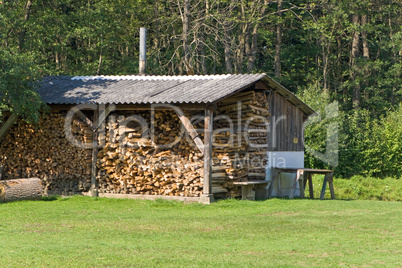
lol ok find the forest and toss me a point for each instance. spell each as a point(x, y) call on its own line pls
point(344, 53)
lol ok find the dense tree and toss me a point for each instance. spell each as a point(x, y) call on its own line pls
point(18, 76)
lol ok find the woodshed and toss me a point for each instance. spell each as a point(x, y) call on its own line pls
point(189, 138)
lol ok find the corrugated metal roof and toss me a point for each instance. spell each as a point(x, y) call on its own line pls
point(132, 89)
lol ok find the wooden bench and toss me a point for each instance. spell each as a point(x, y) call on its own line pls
point(302, 176)
point(247, 192)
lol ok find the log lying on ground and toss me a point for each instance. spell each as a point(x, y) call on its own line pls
point(20, 189)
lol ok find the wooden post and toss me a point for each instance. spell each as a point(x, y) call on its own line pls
point(310, 185)
point(10, 121)
point(299, 178)
point(292, 191)
point(183, 119)
point(324, 186)
point(275, 174)
point(94, 188)
point(193, 133)
point(301, 183)
point(247, 192)
point(207, 197)
point(279, 181)
point(331, 185)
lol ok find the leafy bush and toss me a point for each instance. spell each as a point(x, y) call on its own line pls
point(367, 145)
point(371, 147)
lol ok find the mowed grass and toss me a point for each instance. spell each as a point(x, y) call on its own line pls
point(99, 232)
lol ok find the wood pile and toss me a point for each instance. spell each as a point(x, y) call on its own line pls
point(132, 162)
point(240, 142)
point(43, 151)
point(135, 158)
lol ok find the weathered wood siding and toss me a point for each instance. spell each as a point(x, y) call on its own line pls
point(286, 125)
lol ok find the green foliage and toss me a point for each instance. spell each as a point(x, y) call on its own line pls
point(370, 146)
point(390, 142)
point(18, 76)
point(367, 145)
point(321, 130)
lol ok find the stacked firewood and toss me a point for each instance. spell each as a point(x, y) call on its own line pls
point(157, 160)
point(240, 141)
point(143, 152)
point(43, 151)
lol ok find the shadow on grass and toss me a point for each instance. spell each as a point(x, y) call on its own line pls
point(50, 198)
point(174, 203)
point(308, 198)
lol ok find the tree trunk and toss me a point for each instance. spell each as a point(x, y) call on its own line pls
point(186, 26)
point(325, 53)
point(228, 60)
point(366, 52)
point(395, 57)
point(20, 189)
point(339, 59)
point(241, 49)
point(100, 57)
point(355, 40)
point(354, 55)
point(253, 53)
point(242, 40)
point(203, 63)
point(277, 70)
point(23, 31)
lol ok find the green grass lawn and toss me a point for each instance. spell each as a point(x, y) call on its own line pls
point(99, 232)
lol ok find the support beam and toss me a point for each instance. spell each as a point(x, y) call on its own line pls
point(184, 120)
point(193, 133)
point(207, 197)
point(94, 188)
point(10, 121)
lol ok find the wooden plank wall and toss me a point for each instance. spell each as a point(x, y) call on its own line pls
point(286, 125)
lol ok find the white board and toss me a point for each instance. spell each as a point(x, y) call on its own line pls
point(284, 160)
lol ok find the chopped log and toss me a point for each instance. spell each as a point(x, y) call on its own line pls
point(20, 189)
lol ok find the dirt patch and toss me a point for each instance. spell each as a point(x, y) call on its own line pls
point(212, 229)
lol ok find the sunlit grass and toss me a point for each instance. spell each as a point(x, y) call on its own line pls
point(89, 232)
